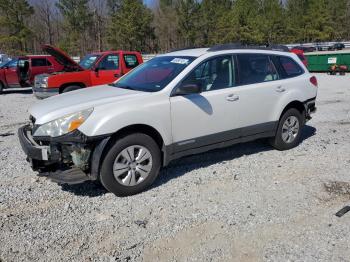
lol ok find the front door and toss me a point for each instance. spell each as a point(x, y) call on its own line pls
point(107, 70)
point(12, 73)
point(208, 117)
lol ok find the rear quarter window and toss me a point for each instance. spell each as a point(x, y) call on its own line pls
point(289, 68)
point(39, 62)
point(131, 61)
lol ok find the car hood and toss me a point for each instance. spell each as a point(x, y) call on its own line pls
point(58, 106)
point(61, 57)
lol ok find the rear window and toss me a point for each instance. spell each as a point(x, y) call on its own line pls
point(131, 61)
point(289, 67)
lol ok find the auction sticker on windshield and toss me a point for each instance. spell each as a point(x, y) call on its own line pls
point(181, 61)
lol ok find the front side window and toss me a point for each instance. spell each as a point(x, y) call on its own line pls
point(109, 62)
point(88, 61)
point(289, 67)
point(155, 74)
point(213, 74)
point(131, 61)
point(255, 68)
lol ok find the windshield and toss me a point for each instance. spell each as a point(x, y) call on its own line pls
point(11, 63)
point(155, 74)
point(88, 61)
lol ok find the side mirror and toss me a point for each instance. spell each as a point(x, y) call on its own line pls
point(96, 69)
point(187, 89)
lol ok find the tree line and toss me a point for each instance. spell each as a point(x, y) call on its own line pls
point(81, 26)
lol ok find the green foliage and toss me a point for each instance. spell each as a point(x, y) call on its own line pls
point(77, 19)
point(85, 25)
point(13, 27)
point(130, 26)
point(188, 16)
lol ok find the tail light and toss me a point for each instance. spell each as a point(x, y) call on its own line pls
point(313, 80)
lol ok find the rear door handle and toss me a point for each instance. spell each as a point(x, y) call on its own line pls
point(280, 89)
point(232, 98)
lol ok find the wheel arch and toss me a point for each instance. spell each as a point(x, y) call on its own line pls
point(63, 86)
point(297, 105)
point(102, 149)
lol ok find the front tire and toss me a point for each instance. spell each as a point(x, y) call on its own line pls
point(131, 165)
point(289, 130)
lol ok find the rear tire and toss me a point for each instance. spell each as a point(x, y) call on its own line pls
point(289, 130)
point(131, 165)
point(71, 88)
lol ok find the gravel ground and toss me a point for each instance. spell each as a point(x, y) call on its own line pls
point(244, 203)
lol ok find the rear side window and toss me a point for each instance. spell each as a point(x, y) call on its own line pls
point(289, 67)
point(255, 68)
point(39, 62)
point(131, 61)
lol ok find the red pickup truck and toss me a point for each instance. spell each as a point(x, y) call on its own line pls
point(20, 71)
point(94, 69)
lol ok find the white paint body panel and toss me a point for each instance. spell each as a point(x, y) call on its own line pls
point(180, 118)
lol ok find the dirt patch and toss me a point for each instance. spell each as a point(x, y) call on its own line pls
point(338, 188)
point(330, 102)
point(343, 123)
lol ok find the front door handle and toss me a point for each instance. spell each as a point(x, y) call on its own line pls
point(232, 98)
point(280, 89)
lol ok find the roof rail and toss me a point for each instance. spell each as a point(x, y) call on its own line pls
point(222, 47)
point(184, 48)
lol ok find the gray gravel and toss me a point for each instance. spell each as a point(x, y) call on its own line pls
point(244, 203)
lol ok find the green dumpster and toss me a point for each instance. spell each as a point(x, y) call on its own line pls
point(322, 61)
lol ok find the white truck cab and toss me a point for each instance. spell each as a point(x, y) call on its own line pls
point(177, 104)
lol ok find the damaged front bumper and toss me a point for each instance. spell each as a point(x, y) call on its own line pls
point(71, 158)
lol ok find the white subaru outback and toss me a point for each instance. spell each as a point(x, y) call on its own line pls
point(177, 104)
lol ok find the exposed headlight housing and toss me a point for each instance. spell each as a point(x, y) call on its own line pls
point(63, 125)
point(41, 81)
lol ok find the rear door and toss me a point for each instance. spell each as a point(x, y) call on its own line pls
point(107, 70)
point(258, 91)
point(39, 66)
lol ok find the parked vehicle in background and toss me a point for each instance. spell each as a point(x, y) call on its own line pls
point(300, 54)
point(94, 69)
point(4, 58)
point(20, 71)
point(177, 104)
point(306, 49)
point(336, 46)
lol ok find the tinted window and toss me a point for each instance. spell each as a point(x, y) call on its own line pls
point(109, 62)
point(155, 74)
point(39, 62)
point(131, 61)
point(289, 67)
point(213, 74)
point(255, 68)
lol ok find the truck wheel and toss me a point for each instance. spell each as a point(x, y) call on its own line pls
point(1, 87)
point(71, 88)
point(131, 165)
point(288, 130)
